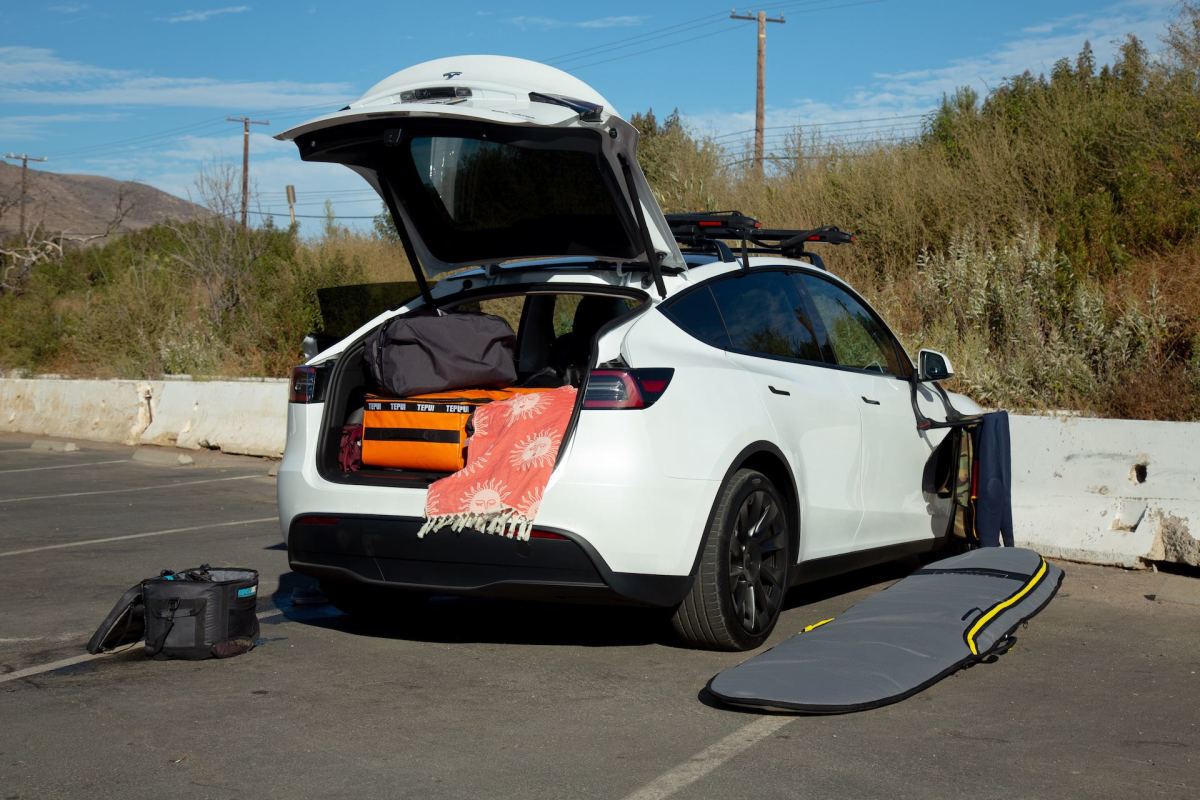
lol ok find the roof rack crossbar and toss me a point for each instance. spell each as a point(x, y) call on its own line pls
point(702, 229)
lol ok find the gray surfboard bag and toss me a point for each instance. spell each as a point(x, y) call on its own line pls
point(948, 615)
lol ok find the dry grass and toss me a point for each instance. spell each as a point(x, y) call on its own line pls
point(1048, 239)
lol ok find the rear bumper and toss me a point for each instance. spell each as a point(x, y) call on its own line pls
point(385, 551)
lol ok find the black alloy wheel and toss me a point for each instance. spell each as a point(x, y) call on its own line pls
point(741, 576)
point(758, 561)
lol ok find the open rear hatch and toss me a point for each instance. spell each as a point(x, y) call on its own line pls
point(486, 159)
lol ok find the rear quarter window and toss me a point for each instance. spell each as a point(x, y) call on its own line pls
point(696, 312)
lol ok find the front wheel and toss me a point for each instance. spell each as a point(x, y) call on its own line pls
point(742, 577)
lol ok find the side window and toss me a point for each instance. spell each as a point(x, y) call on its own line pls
point(508, 308)
point(855, 335)
point(765, 314)
point(696, 312)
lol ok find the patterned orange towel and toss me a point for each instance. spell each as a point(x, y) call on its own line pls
point(509, 460)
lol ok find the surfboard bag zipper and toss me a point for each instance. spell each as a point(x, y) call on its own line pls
point(951, 614)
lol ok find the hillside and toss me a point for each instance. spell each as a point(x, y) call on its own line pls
point(1046, 236)
point(86, 204)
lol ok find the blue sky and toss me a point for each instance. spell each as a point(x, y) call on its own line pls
point(141, 90)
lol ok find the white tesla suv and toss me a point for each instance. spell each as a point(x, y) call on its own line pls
point(745, 421)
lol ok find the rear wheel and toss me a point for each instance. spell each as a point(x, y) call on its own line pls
point(742, 577)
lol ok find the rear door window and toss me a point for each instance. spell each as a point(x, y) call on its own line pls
point(856, 336)
point(498, 193)
point(765, 314)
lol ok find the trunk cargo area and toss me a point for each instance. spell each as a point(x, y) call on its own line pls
point(415, 440)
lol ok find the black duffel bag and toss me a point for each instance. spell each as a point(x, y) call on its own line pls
point(440, 353)
point(205, 612)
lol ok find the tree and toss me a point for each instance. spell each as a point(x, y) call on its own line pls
point(384, 228)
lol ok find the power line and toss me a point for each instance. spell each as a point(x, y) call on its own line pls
point(166, 133)
point(804, 10)
point(824, 124)
point(667, 31)
point(652, 49)
point(138, 140)
point(865, 134)
point(854, 152)
point(633, 41)
point(841, 147)
point(311, 216)
point(329, 192)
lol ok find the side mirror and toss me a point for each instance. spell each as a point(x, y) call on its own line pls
point(933, 366)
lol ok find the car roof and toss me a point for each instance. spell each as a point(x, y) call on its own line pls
point(701, 267)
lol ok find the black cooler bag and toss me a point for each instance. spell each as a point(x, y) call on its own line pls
point(428, 353)
point(198, 613)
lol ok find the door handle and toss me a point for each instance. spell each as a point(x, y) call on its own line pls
point(869, 401)
point(778, 391)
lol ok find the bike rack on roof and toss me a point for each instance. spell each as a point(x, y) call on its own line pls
point(705, 231)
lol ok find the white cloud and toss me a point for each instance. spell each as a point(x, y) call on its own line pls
point(39, 76)
point(26, 66)
point(205, 15)
point(68, 8)
point(1036, 53)
point(33, 126)
point(551, 23)
point(903, 93)
point(611, 22)
point(189, 93)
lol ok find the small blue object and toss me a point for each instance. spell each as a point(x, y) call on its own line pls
point(248, 591)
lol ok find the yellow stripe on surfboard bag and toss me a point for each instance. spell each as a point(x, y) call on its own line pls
point(991, 613)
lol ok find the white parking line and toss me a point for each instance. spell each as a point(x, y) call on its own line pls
point(709, 759)
point(4, 502)
point(73, 660)
point(65, 466)
point(164, 532)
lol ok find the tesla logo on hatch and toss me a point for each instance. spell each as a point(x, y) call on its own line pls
point(449, 75)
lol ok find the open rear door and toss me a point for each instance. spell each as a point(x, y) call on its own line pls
point(485, 159)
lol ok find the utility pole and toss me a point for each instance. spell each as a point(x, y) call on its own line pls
point(759, 100)
point(24, 158)
point(291, 198)
point(246, 123)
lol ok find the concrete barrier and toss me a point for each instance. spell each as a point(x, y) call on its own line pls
point(247, 417)
point(1105, 491)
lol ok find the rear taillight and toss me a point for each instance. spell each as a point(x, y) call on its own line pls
point(316, 520)
point(306, 385)
point(537, 533)
point(625, 388)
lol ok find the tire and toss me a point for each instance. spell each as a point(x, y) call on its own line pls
point(742, 577)
point(369, 602)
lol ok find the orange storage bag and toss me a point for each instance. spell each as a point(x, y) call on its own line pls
point(425, 432)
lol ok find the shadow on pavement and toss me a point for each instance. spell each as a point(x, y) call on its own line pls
point(826, 588)
point(449, 619)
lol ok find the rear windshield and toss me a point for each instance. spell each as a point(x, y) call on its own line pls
point(491, 194)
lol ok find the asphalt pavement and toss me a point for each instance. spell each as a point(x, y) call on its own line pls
point(473, 698)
